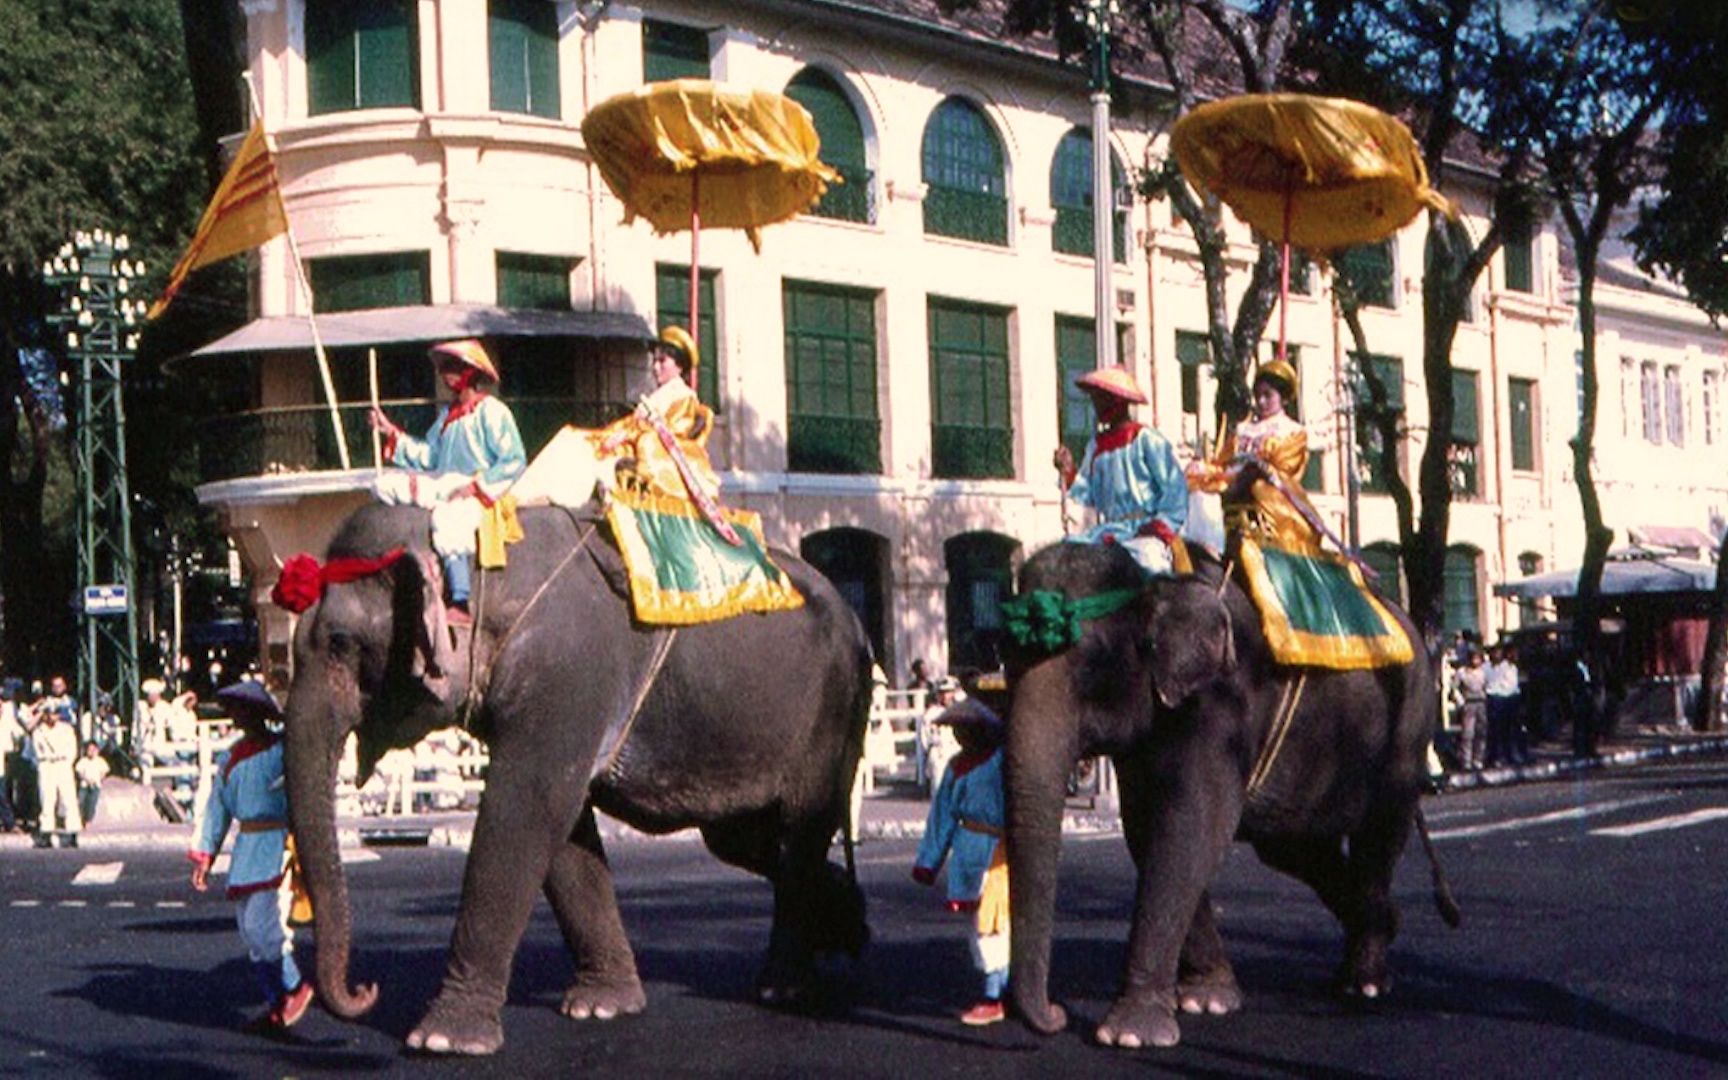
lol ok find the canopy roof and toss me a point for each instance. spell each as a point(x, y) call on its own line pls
point(424, 323)
point(1628, 571)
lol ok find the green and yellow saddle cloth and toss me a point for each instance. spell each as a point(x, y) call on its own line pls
point(1316, 609)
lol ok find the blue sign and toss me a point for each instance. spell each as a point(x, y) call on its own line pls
point(106, 600)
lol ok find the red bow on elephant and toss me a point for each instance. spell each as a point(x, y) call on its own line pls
point(302, 582)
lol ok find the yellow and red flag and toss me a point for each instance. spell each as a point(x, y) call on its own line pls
point(245, 212)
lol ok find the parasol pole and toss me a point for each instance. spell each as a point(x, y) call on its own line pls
point(1284, 272)
point(695, 255)
point(372, 384)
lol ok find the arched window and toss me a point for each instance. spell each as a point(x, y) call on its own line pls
point(980, 576)
point(967, 194)
point(856, 561)
point(842, 145)
point(1383, 558)
point(1071, 196)
point(1461, 590)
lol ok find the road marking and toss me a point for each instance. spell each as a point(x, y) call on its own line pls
point(122, 903)
point(26, 903)
point(101, 873)
point(1571, 814)
point(74, 903)
point(1675, 821)
point(170, 903)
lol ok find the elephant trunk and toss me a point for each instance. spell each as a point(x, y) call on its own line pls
point(313, 748)
point(1039, 755)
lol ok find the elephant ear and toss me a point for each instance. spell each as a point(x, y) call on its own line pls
point(1190, 637)
point(421, 647)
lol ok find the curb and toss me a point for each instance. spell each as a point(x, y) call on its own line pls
point(1557, 770)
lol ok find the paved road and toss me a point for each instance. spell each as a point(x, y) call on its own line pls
point(1594, 945)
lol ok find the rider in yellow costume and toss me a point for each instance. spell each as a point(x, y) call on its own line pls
point(1315, 606)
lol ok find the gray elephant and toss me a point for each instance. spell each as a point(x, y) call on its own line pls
point(1178, 686)
point(750, 729)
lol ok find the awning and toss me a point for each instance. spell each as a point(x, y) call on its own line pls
point(406, 325)
point(1620, 577)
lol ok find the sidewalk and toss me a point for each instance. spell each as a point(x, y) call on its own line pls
point(896, 811)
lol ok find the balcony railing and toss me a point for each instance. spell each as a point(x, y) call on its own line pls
point(834, 444)
point(972, 453)
point(300, 438)
point(969, 215)
point(850, 200)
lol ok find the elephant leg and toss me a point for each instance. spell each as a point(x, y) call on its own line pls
point(1374, 854)
point(579, 888)
point(526, 815)
point(1346, 885)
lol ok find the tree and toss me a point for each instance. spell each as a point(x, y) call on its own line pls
point(95, 131)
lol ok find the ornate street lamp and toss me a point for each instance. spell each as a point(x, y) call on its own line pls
point(101, 322)
point(1100, 15)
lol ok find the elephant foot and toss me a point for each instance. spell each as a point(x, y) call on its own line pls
point(1209, 997)
point(453, 1029)
point(1048, 1020)
point(593, 997)
point(1365, 989)
point(1133, 1024)
point(1365, 976)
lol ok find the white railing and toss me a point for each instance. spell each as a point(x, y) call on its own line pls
point(893, 738)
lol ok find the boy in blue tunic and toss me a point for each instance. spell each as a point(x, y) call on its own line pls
point(964, 829)
point(248, 787)
point(468, 459)
point(1129, 475)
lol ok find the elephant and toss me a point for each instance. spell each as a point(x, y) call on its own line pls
point(750, 729)
point(1180, 689)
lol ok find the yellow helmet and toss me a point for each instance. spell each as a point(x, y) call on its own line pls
point(1281, 374)
point(680, 340)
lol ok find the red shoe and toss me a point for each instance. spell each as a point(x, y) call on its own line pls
point(294, 1005)
point(984, 1013)
point(458, 616)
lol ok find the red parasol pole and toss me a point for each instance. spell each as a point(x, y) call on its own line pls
point(695, 253)
point(1284, 273)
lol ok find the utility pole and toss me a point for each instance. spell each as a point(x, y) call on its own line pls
point(100, 320)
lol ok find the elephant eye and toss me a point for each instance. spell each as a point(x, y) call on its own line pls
point(341, 645)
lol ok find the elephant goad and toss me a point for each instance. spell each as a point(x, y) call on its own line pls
point(1175, 682)
point(750, 729)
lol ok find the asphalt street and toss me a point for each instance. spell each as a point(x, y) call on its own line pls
point(1593, 945)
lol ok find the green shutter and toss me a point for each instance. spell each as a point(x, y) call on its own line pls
point(360, 54)
point(1076, 354)
point(363, 282)
point(1466, 408)
point(1193, 353)
point(1517, 254)
point(671, 51)
point(965, 193)
point(1071, 197)
point(1523, 401)
point(541, 282)
point(1369, 270)
point(524, 53)
point(832, 413)
point(972, 431)
point(1459, 610)
point(672, 293)
point(842, 139)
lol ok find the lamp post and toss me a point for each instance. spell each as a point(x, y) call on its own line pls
point(101, 322)
point(1100, 14)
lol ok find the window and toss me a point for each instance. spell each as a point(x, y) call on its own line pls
point(541, 282)
point(980, 577)
point(1521, 394)
point(1650, 395)
point(1460, 610)
point(1371, 273)
point(967, 194)
point(1529, 565)
point(842, 145)
point(1194, 354)
point(1071, 195)
point(361, 282)
point(1463, 452)
point(671, 51)
point(1519, 255)
point(1712, 405)
point(972, 433)
point(1674, 405)
point(1383, 559)
point(855, 561)
point(832, 421)
point(524, 48)
point(1628, 393)
point(672, 303)
point(1076, 354)
point(360, 54)
point(1389, 371)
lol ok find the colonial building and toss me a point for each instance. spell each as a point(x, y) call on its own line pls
point(894, 370)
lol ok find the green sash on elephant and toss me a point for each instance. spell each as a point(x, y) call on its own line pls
point(682, 572)
point(1050, 622)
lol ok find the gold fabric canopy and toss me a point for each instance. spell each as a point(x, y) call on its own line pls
point(738, 158)
point(1318, 173)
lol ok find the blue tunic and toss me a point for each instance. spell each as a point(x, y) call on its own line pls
point(1130, 477)
point(965, 795)
point(252, 789)
point(483, 442)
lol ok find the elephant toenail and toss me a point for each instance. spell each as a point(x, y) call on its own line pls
point(604, 1012)
point(1132, 1042)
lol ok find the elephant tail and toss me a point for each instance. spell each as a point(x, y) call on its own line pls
point(1443, 898)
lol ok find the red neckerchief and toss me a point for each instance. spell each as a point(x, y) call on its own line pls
point(1117, 437)
point(967, 760)
point(463, 408)
point(245, 748)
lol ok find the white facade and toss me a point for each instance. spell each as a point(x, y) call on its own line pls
point(456, 179)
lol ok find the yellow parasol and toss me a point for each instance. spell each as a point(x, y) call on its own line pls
point(689, 153)
point(1317, 173)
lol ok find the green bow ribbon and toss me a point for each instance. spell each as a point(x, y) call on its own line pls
point(1050, 622)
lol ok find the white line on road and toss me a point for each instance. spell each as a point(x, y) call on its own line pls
point(1572, 814)
point(101, 873)
point(1675, 821)
point(26, 903)
point(122, 903)
point(74, 903)
point(170, 903)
